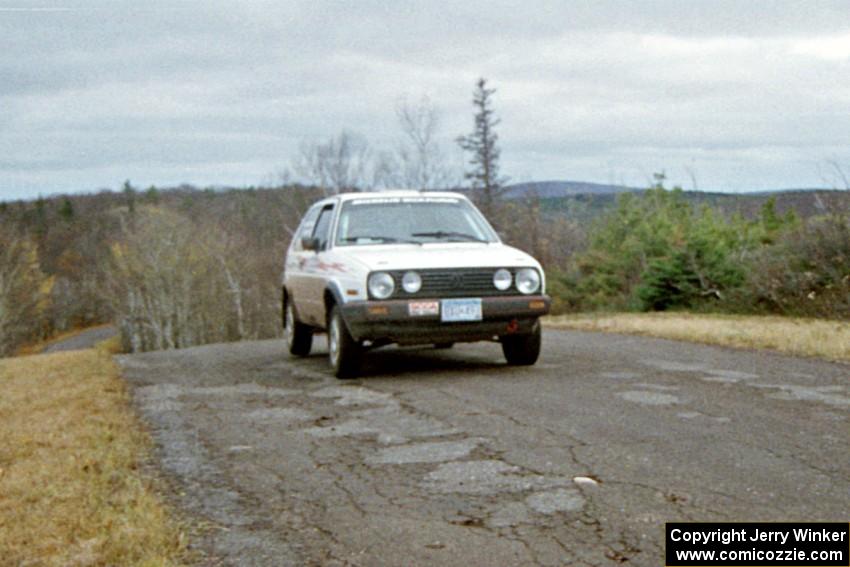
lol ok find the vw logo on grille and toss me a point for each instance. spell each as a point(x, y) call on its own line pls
point(456, 280)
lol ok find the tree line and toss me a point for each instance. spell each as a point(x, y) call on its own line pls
point(171, 268)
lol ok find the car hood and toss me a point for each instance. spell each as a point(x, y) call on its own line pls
point(439, 255)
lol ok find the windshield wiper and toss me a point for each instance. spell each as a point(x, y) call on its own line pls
point(381, 239)
point(449, 234)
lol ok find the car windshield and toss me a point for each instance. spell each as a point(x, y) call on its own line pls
point(414, 220)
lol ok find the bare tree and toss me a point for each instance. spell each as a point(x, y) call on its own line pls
point(299, 198)
point(421, 164)
point(836, 178)
point(385, 171)
point(24, 291)
point(840, 179)
point(481, 144)
point(339, 165)
point(162, 284)
point(693, 176)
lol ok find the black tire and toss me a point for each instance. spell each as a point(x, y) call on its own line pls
point(523, 350)
point(443, 346)
point(344, 353)
point(298, 336)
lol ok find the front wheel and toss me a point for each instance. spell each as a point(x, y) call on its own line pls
point(523, 350)
point(298, 337)
point(344, 353)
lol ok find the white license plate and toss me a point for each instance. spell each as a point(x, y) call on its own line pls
point(423, 308)
point(461, 310)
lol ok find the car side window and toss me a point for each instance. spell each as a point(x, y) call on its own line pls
point(323, 226)
point(307, 226)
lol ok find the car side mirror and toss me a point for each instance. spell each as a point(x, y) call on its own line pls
point(310, 243)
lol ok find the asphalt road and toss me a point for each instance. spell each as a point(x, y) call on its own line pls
point(453, 458)
point(83, 339)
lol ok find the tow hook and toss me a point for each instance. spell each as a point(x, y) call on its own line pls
point(513, 326)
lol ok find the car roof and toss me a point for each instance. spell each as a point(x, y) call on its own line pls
point(397, 193)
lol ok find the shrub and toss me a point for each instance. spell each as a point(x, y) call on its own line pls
point(656, 252)
point(807, 272)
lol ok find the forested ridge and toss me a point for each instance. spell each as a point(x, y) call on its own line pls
point(184, 266)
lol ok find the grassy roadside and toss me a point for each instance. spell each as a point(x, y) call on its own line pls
point(70, 489)
point(805, 337)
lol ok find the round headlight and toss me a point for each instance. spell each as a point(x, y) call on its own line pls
point(502, 279)
point(527, 280)
point(381, 285)
point(411, 282)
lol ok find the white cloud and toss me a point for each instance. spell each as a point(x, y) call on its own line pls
point(665, 46)
point(599, 91)
point(833, 48)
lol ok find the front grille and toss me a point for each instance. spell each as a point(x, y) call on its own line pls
point(458, 282)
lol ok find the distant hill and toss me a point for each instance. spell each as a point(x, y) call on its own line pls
point(554, 189)
point(579, 201)
point(805, 202)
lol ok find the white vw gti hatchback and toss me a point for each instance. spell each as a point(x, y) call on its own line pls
point(405, 267)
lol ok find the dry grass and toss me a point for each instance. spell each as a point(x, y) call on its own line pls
point(70, 491)
point(110, 346)
point(806, 337)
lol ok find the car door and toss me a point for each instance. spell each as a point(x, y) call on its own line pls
point(316, 274)
point(296, 260)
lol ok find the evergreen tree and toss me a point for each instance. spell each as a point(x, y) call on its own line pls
point(41, 224)
point(152, 195)
point(66, 211)
point(482, 145)
point(130, 195)
point(655, 252)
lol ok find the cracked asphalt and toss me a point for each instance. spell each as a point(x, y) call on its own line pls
point(442, 457)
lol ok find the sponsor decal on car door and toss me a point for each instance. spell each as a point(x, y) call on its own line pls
point(297, 259)
point(316, 271)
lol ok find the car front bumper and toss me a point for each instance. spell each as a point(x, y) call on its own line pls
point(391, 321)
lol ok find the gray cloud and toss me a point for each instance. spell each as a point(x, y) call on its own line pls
point(743, 95)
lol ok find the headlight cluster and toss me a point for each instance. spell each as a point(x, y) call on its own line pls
point(527, 280)
point(411, 282)
point(502, 279)
point(381, 285)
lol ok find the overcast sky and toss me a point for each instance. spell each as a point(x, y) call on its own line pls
point(731, 96)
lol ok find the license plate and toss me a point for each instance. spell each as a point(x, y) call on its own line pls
point(461, 310)
point(422, 308)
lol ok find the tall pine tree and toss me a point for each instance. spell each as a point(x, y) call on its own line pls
point(486, 184)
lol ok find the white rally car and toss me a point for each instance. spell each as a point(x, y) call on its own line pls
point(406, 267)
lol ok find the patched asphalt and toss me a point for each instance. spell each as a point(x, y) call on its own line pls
point(440, 457)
